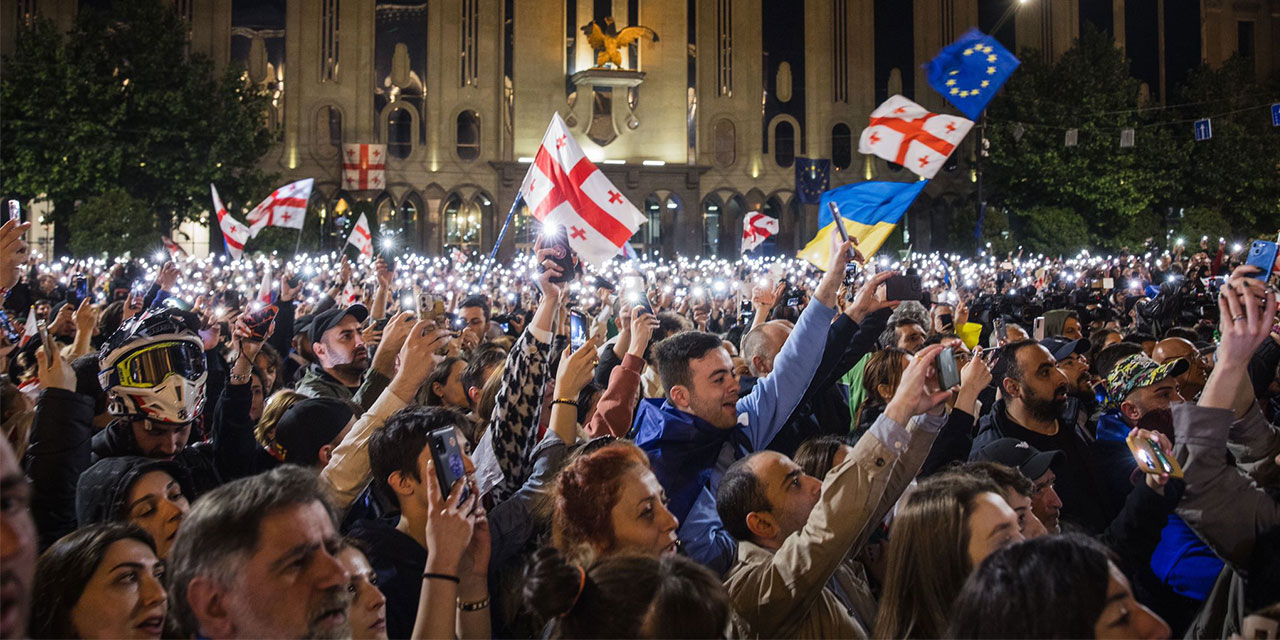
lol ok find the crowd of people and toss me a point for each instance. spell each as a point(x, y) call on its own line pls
point(412, 447)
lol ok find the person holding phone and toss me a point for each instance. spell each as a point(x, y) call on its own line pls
point(681, 432)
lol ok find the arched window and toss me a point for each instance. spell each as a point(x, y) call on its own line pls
point(725, 145)
point(328, 135)
point(399, 133)
point(711, 210)
point(841, 146)
point(409, 213)
point(468, 135)
point(784, 144)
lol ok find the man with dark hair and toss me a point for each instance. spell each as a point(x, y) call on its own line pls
point(1017, 490)
point(1109, 357)
point(1034, 398)
point(474, 314)
point(482, 363)
point(343, 368)
point(904, 333)
point(1033, 466)
point(399, 457)
point(257, 558)
point(797, 535)
point(703, 425)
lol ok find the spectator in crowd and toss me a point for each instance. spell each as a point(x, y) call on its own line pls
point(18, 544)
point(342, 359)
point(155, 495)
point(257, 557)
point(1034, 465)
point(943, 531)
point(368, 605)
point(627, 596)
point(1051, 587)
point(1191, 382)
point(1031, 409)
point(102, 581)
point(795, 532)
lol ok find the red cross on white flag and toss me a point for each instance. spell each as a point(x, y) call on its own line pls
point(361, 237)
point(364, 166)
point(285, 207)
point(563, 187)
point(904, 132)
point(234, 233)
point(756, 228)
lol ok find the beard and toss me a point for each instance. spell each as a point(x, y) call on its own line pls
point(1045, 408)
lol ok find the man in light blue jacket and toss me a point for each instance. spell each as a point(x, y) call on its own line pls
point(702, 426)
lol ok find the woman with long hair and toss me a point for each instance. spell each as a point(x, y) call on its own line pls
point(943, 530)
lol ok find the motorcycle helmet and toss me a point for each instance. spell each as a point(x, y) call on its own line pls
point(153, 367)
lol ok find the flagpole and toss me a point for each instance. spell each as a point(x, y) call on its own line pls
point(298, 245)
point(501, 234)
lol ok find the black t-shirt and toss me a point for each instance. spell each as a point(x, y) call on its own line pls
point(398, 560)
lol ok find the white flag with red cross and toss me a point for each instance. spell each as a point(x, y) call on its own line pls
point(175, 250)
point(361, 237)
point(564, 188)
point(756, 228)
point(904, 132)
point(234, 233)
point(285, 207)
point(364, 166)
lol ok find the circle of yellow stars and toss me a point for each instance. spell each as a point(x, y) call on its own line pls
point(980, 49)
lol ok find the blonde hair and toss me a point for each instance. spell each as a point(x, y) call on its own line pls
point(272, 410)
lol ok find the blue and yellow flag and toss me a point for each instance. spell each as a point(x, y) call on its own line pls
point(870, 210)
point(970, 71)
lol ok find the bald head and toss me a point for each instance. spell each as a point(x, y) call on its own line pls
point(762, 344)
point(1192, 382)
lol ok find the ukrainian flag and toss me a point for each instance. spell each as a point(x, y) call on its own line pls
point(870, 211)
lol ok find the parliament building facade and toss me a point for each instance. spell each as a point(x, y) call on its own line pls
point(703, 126)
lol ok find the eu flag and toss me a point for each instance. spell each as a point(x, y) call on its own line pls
point(813, 176)
point(970, 71)
point(871, 211)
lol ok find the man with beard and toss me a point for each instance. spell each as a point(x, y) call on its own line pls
point(1140, 394)
point(258, 558)
point(1034, 398)
point(342, 359)
point(1073, 362)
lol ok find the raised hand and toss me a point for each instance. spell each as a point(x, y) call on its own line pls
point(86, 318)
point(917, 393)
point(871, 298)
point(13, 252)
point(288, 293)
point(550, 290)
point(168, 276)
point(576, 370)
point(451, 520)
point(417, 357)
point(392, 339)
point(57, 374)
point(642, 327)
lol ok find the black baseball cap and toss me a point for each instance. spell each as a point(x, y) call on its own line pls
point(328, 319)
point(1016, 453)
point(1062, 348)
point(308, 425)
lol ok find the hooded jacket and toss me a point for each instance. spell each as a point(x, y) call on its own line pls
point(689, 455)
point(103, 490)
point(117, 440)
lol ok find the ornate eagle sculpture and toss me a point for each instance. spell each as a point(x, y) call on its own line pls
point(609, 40)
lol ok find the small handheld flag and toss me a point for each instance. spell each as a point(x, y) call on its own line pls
point(756, 228)
point(969, 71)
point(361, 236)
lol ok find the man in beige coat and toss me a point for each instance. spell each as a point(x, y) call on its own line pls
point(796, 535)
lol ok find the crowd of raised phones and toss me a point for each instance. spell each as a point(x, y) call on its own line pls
point(412, 447)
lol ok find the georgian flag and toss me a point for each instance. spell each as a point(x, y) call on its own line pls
point(31, 328)
point(364, 166)
point(174, 249)
point(563, 187)
point(756, 228)
point(234, 234)
point(903, 132)
point(285, 207)
point(361, 237)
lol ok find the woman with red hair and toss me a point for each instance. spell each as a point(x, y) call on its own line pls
point(607, 502)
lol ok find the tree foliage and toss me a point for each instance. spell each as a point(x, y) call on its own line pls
point(113, 223)
point(1033, 173)
point(120, 103)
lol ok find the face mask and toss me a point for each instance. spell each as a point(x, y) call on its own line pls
point(1160, 420)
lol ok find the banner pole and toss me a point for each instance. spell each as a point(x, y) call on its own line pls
point(501, 235)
